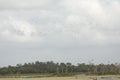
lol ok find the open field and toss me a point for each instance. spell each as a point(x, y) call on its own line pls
point(50, 78)
point(47, 78)
point(77, 77)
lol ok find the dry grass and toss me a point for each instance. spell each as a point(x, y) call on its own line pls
point(49, 78)
point(77, 77)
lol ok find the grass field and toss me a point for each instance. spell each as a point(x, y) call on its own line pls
point(47, 78)
point(50, 78)
point(77, 77)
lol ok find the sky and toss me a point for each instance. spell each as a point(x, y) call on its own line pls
point(77, 31)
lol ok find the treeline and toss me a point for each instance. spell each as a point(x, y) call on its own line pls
point(61, 68)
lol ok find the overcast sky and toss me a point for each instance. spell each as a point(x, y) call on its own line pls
point(74, 31)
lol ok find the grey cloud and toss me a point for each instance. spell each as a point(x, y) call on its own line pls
point(27, 4)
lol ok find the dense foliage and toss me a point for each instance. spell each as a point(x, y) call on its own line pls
point(61, 68)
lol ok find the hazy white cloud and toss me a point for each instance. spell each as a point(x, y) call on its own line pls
point(93, 20)
point(18, 30)
point(87, 21)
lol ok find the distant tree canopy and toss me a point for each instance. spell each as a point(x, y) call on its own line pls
point(61, 68)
